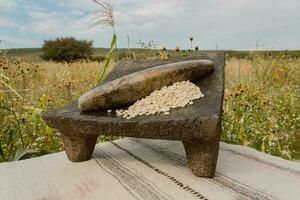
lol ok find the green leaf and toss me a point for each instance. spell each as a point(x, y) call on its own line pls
point(23, 154)
point(10, 137)
point(113, 43)
point(108, 56)
point(1, 150)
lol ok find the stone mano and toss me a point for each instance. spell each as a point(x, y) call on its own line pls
point(198, 126)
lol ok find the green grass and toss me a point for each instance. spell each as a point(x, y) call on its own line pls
point(34, 53)
point(261, 107)
point(250, 54)
point(262, 104)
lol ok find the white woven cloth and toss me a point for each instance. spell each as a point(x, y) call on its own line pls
point(149, 169)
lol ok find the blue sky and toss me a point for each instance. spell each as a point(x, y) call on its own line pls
point(222, 24)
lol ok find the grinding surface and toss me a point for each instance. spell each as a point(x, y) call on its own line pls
point(135, 86)
point(201, 120)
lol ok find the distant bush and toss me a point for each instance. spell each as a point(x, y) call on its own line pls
point(254, 54)
point(97, 58)
point(126, 55)
point(66, 49)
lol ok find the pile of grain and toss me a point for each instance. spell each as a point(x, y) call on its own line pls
point(179, 94)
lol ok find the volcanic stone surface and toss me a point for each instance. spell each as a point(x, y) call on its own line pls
point(135, 86)
point(198, 126)
point(202, 120)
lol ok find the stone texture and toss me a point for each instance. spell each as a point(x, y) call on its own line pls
point(79, 147)
point(198, 125)
point(135, 86)
point(202, 156)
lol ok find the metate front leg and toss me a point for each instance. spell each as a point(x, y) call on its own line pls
point(79, 147)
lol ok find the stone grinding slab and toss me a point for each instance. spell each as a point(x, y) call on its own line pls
point(196, 121)
point(130, 88)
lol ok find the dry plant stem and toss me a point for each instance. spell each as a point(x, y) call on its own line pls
point(107, 16)
point(107, 19)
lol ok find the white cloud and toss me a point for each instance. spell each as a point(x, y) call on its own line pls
point(56, 24)
point(7, 23)
point(17, 42)
point(229, 24)
point(7, 4)
point(39, 15)
point(85, 5)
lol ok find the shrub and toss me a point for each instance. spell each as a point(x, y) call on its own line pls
point(66, 49)
point(126, 55)
point(97, 58)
